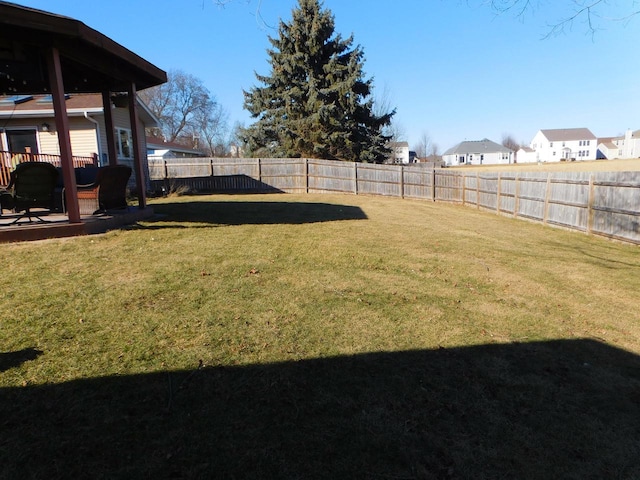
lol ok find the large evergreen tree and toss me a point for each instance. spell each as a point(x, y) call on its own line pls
point(315, 102)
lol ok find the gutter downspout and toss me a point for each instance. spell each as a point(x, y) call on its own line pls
point(94, 121)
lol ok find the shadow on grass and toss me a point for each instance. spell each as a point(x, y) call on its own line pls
point(15, 359)
point(244, 213)
point(558, 409)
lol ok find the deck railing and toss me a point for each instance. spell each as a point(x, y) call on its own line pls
point(9, 160)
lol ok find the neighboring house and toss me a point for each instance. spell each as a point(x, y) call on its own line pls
point(28, 125)
point(399, 152)
point(629, 145)
point(564, 144)
point(157, 149)
point(607, 149)
point(526, 155)
point(478, 152)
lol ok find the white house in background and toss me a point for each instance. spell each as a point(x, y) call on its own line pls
point(158, 149)
point(526, 155)
point(399, 152)
point(629, 145)
point(478, 152)
point(564, 144)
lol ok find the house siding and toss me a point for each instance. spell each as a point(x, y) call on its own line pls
point(525, 156)
point(81, 132)
point(478, 152)
point(556, 150)
point(629, 145)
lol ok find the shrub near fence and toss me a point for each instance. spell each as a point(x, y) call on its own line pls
point(601, 203)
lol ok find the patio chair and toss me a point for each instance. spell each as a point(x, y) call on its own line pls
point(31, 186)
point(107, 192)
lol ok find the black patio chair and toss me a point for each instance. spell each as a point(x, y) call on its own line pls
point(32, 186)
point(107, 192)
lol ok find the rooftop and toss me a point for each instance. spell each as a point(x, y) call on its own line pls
point(568, 134)
point(91, 62)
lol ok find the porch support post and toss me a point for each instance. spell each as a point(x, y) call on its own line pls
point(108, 125)
point(141, 180)
point(64, 141)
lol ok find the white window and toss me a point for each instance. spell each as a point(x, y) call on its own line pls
point(124, 143)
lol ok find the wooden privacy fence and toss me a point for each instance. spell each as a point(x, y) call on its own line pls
point(602, 203)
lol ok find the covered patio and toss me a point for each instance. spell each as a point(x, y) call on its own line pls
point(45, 53)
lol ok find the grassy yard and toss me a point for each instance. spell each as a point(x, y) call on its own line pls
point(320, 337)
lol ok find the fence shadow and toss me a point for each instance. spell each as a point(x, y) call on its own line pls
point(214, 184)
point(243, 213)
point(557, 409)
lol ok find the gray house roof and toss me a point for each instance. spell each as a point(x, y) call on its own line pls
point(483, 146)
point(568, 134)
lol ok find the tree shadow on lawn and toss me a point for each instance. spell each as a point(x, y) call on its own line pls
point(15, 359)
point(246, 213)
point(557, 409)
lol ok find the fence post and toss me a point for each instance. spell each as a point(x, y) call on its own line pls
point(401, 181)
point(590, 212)
point(306, 175)
point(259, 166)
point(211, 167)
point(547, 194)
point(478, 190)
point(165, 171)
point(516, 200)
point(464, 189)
point(498, 192)
point(355, 178)
point(433, 185)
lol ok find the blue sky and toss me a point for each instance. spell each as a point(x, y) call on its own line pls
point(452, 68)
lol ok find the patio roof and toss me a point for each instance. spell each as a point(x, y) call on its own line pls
point(91, 62)
point(41, 52)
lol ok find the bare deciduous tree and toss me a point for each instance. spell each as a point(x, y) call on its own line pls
point(591, 12)
point(188, 112)
point(510, 142)
point(424, 146)
point(213, 130)
point(382, 103)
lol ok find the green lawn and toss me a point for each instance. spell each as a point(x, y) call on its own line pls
point(320, 336)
